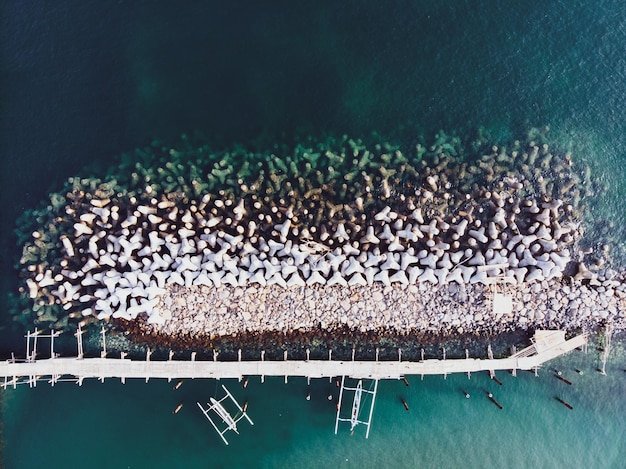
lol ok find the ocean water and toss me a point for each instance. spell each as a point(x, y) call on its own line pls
point(112, 425)
point(82, 81)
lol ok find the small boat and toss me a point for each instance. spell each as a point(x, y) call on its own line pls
point(178, 407)
point(179, 384)
point(356, 404)
point(224, 415)
point(217, 407)
point(353, 418)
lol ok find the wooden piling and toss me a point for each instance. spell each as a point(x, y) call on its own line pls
point(608, 332)
point(564, 403)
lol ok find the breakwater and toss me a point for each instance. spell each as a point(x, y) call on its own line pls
point(447, 219)
point(196, 315)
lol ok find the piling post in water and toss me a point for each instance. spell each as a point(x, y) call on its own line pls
point(35, 346)
point(52, 355)
point(608, 332)
point(566, 381)
point(493, 399)
point(103, 353)
point(28, 346)
point(490, 356)
point(79, 341)
point(404, 403)
point(445, 375)
point(148, 353)
point(566, 404)
point(513, 352)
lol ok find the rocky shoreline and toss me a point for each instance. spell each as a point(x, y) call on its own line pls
point(201, 313)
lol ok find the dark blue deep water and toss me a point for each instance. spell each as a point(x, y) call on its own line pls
point(82, 81)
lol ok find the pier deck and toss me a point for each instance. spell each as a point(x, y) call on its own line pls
point(123, 368)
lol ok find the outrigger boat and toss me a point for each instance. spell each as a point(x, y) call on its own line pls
point(218, 408)
point(228, 420)
point(356, 405)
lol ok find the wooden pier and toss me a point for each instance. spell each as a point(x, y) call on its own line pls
point(547, 345)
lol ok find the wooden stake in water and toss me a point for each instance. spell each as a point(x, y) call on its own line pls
point(79, 340)
point(103, 353)
point(445, 374)
point(513, 352)
point(608, 332)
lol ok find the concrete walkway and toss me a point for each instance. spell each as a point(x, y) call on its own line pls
point(549, 344)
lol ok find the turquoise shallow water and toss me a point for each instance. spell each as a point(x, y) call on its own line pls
point(82, 81)
point(112, 425)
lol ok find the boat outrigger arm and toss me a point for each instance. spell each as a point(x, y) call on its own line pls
point(217, 407)
point(356, 406)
